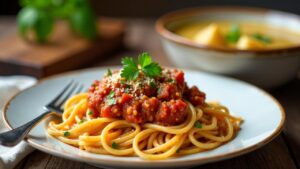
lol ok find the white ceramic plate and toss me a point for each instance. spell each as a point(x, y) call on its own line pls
point(263, 115)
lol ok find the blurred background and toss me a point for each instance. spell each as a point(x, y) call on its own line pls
point(136, 8)
point(136, 22)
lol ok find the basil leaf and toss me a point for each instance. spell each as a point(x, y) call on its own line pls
point(37, 3)
point(82, 22)
point(38, 21)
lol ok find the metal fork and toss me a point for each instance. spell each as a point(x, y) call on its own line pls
point(14, 136)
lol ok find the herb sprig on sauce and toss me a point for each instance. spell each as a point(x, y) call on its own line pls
point(132, 69)
point(110, 98)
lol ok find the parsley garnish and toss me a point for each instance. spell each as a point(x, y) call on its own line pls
point(90, 113)
point(144, 59)
point(111, 102)
point(158, 91)
point(110, 98)
point(152, 84)
point(234, 34)
point(66, 133)
point(131, 69)
point(123, 81)
point(111, 94)
point(262, 38)
point(109, 73)
point(81, 121)
point(114, 145)
point(198, 125)
point(171, 80)
point(126, 90)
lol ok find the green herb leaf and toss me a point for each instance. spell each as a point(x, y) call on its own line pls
point(159, 91)
point(128, 62)
point(130, 70)
point(152, 84)
point(36, 3)
point(171, 80)
point(66, 133)
point(114, 145)
point(35, 20)
point(130, 73)
point(38, 16)
point(198, 125)
point(126, 90)
point(144, 59)
point(83, 22)
point(152, 70)
point(262, 38)
point(111, 102)
point(109, 73)
point(81, 121)
point(110, 98)
point(123, 81)
point(111, 94)
point(90, 113)
point(234, 34)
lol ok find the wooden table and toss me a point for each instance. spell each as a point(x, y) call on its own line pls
point(283, 152)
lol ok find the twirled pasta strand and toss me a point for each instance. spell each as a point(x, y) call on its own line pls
point(148, 141)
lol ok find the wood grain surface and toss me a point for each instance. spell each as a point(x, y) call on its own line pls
point(64, 50)
point(281, 153)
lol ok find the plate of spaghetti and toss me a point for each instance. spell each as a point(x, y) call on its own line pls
point(143, 115)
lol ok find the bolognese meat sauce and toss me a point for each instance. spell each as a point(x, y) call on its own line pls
point(156, 100)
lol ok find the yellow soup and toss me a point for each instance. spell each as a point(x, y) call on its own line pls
point(240, 35)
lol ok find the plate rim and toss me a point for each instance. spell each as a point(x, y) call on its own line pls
point(187, 162)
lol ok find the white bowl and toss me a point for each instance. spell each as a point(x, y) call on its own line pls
point(265, 68)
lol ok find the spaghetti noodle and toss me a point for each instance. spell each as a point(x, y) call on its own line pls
point(203, 126)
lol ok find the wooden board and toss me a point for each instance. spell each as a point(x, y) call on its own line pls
point(63, 52)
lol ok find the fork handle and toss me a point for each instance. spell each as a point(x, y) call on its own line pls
point(14, 136)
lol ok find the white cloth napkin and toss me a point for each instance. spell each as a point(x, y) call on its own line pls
point(10, 85)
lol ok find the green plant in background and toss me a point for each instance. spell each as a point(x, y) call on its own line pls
point(38, 17)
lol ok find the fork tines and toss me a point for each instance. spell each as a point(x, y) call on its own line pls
point(70, 89)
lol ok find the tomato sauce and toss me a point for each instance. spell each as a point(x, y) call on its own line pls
point(159, 100)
